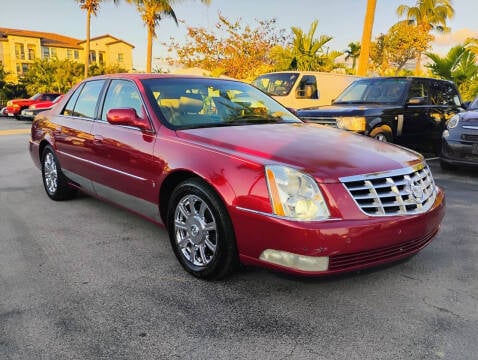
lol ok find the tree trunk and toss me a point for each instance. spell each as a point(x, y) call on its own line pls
point(87, 46)
point(366, 38)
point(149, 55)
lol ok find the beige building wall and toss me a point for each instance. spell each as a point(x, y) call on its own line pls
point(17, 52)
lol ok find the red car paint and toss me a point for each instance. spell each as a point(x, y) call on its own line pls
point(15, 106)
point(138, 167)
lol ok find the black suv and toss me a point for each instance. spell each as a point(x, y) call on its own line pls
point(411, 111)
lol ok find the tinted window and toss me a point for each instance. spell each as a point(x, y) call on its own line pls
point(444, 93)
point(419, 89)
point(87, 100)
point(377, 91)
point(122, 94)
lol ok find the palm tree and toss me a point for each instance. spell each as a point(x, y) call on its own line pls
point(353, 52)
point(306, 49)
point(152, 12)
point(366, 37)
point(91, 7)
point(428, 15)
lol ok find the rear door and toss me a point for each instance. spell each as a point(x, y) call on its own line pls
point(73, 133)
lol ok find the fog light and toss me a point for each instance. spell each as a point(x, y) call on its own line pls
point(445, 134)
point(295, 261)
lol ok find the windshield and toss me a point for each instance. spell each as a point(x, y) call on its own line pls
point(276, 84)
point(375, 91)
point(35, 97)
point(473, 105)
point(192, 103)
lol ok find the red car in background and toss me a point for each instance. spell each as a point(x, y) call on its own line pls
point(39, 107)
point(235, 177)
point(15, 106)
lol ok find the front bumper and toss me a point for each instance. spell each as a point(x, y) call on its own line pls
point(459, 153)
point(348, 245)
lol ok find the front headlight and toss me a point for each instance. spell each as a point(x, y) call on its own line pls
point(352, 123)
point(9, 103)
point(453, 122)
point(295, 195)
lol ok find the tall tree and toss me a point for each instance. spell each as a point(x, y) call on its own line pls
point(366, 37)
point(152, 12)
point(353, 52)
point(427, 15)
point(91, 7)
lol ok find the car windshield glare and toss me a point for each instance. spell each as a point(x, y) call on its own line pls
point(191, 103)
point(379, 91)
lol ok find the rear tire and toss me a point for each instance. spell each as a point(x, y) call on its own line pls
point(55, 183)
point(201, 232)
point(382, 133)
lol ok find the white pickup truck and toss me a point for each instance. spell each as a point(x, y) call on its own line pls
point(302, 89)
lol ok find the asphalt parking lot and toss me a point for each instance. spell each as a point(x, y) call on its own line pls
point(85, 280)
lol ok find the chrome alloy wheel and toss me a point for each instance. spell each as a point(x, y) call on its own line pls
point(50, 172)
point(195, 230)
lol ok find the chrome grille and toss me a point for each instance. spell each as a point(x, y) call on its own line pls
point(322, 121)
point(398, 192)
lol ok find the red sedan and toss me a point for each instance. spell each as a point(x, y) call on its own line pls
point(235, 177)
point(15, 106)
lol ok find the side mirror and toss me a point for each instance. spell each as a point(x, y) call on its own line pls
point(127, 117)
point(466, 104)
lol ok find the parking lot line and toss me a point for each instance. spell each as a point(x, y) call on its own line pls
point(14, 131)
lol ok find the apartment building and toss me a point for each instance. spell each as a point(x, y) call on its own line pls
point(20, 48)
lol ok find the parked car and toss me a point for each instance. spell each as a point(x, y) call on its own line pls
point(35, 109)
point(410, 111)
point(460, 139)
point(15, 106)
point(300, 89)
point(235, 177)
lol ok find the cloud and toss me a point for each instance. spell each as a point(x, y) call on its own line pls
point(454, 38)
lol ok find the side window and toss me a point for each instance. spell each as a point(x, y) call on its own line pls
point(307, 88)
point(87, 100)
point(70, 105)
point(122, 94)
point(444, 93)
point(419, 89)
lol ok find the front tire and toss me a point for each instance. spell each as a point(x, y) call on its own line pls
point(55, 183)
point(382, 133)
point(201, 232)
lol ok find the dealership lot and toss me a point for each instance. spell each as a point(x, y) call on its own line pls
point(86, 280)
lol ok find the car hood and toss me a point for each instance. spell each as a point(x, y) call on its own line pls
point(344, 110)
point(470, 118)
point(324, 152)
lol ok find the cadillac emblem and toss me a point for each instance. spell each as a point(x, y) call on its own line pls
point(417, 190)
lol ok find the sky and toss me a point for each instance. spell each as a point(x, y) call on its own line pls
point(341, 19)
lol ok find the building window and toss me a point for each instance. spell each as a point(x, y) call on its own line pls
point(120, 57)
point(22, 68)
point(48, 52)
point(101, 57)
point(20, 51)
point(31, 52)
point(69, 54)
point(92, 56)
point(76, 54)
